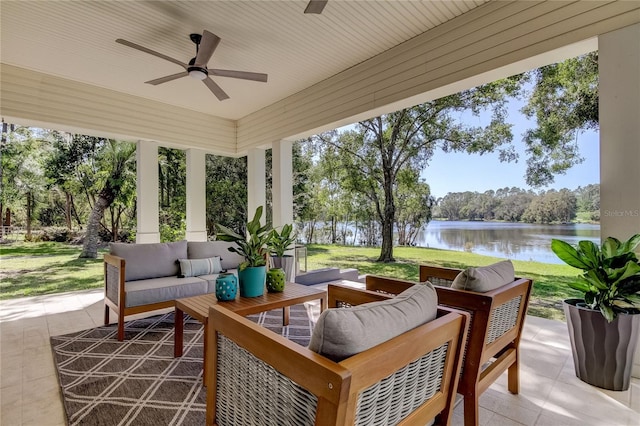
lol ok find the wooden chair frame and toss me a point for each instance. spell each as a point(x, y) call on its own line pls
point(337, 385)
point(115, 294)
point(485, 359)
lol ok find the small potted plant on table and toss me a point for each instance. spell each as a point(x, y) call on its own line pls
point(253, 247)
point(279, 243)
point(603, 326)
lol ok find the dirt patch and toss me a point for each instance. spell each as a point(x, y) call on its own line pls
point(13, 274)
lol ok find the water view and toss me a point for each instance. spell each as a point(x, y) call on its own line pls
point(516, 241)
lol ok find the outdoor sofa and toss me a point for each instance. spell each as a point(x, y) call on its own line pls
point(395, 360)
point(145, 277)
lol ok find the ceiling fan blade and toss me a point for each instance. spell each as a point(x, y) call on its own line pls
point(167, 78)
point(315, 6)
point(151, 52)
point(217, 90)
point(254, 76)
point(208, 45)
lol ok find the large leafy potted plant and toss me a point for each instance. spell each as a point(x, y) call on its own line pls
point(604, 325)
point(253, 247)
point(279, 243)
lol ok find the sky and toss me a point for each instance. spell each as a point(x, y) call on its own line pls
point(459, 172)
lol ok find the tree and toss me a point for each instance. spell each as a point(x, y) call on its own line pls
point(552, 206)
point(62, 167)
point(564, 103)
point(172, 178)
point(117, 160)
point(381, 147)
point(226, 193)
point(22, 171)
point(588, 199)
point(413, 206)
point(513, 202)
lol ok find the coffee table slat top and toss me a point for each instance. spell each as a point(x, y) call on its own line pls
point(198, 306)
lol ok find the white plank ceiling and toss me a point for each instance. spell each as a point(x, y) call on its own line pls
point(76, 40)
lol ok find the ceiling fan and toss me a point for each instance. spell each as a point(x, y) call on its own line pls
point(197, 67)
point(315, 6)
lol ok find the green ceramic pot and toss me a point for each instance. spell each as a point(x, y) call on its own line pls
point(275, 280)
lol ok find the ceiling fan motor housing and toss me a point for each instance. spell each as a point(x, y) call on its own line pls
point(199, 73)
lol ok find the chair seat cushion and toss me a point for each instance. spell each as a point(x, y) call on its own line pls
point(485, 278)
point(156, 290)
point(343, 332)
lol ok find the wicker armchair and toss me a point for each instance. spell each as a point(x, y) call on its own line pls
point(260, 378)
point(493, 342)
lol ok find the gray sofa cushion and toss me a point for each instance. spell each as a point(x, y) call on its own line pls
point(205, 249)
point(197, 267)
point(485, 278)
point(154, 290)
point(343, 332)
point(150, 260)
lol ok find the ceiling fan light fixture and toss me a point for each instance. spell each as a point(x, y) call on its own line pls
point(198, 73)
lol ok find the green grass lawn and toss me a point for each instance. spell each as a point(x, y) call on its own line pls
point(550, 280)
point(31, 269)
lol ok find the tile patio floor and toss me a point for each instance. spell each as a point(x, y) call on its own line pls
point(550, 393)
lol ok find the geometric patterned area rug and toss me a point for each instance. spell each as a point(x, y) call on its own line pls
point(104, 382)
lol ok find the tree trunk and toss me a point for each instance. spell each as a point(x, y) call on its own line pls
point(29, 214)
point(92, 236)
point(388, 219)
point(67, 210)
point(75, 213)
point(355, 232)
point(333, 229)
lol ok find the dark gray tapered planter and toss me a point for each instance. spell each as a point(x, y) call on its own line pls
point(602, 351)
point(287, 264)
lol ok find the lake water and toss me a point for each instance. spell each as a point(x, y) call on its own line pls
point(516, 241)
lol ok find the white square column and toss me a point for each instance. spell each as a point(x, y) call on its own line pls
point(196, 195)
point(619, 109)
point(148, 229)
point(256, 183)
point(282, 189)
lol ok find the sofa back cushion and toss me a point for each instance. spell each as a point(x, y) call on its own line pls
point(208, 249)
point(343, 332)
point(151, 260)
point(485, 278)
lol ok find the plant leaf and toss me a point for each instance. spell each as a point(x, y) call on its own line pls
point(590, 253)
point(607, 312)
point(580, 286)
point(610, 247)
point(227, 234)
point(630, 269)
point(568, 254)
point(595, 280)
point(631, 244)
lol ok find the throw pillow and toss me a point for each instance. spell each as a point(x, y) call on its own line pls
point(197, 267)
point(485, 278)
point(343, 332)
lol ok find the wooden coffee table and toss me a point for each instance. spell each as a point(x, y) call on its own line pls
point(198, 307)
